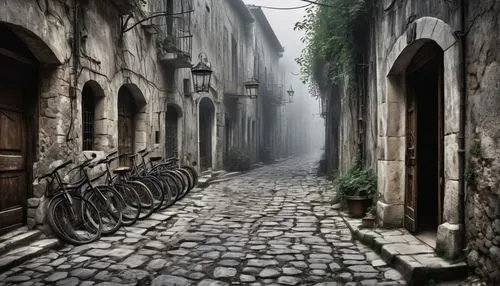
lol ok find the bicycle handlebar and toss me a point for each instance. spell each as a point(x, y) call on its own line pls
point(55, 169)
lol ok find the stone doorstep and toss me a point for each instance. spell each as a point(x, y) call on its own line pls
point(416, 261)
point(17, 255)
point(17, 238)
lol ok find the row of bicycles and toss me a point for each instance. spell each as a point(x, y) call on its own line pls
point(81, 211)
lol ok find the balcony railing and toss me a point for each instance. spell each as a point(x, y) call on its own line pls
point(176, 40)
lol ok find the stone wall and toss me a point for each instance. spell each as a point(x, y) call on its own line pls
point(483, 138)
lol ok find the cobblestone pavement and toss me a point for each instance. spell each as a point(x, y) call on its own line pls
point(271, 226)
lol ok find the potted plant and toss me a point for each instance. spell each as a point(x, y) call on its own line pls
point(368, 221)
point(357, 188)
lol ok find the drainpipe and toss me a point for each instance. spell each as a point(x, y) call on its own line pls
point(75, 51)
point(462, 122)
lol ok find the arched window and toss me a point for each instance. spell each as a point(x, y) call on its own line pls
point(91, 99)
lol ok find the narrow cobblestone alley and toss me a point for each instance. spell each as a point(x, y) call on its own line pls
point(273, 225)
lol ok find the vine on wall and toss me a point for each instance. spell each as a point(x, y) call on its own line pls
point(329, 34)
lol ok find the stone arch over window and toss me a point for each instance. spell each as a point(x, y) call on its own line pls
point(94, 131)
point(392, 128)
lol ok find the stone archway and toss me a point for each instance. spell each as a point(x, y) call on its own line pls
point(393, 130)
point(206, 129)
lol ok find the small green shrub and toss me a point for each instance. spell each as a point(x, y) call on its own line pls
point(357, 181)
point(238, 160)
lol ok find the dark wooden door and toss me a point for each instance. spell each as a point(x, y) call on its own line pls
point(411, 192)
point(13, 154)
point(126, 128)
point(171, 134)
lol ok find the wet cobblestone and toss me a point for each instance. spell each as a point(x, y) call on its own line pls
point(271, 226)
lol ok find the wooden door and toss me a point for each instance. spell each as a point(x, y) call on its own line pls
point(411, 192)
point(440, 143)
point(171, 132)
point(126, 128)
point(13, 154)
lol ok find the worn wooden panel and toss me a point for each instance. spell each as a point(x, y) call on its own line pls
point(411, 192)
point(12, 187)
point(11, 137)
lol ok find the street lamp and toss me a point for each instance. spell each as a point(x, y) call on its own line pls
point(290, 92)
point(252, 88)
point(202, 74)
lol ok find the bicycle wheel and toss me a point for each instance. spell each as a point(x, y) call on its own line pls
point(193, 172)
point(170, 191)
point(185, 182)
point(132, 207)
point(145, 196)
point(154, 185)
point(175, 183)
point(110, 204)
point(189, 177)
point(77, 221)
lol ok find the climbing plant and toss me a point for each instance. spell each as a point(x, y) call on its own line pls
point(329, 36)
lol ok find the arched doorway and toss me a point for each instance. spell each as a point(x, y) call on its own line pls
point(130, 102)
point(424, 139)
point(206, 127)
point(18, 122)
point(172, 131)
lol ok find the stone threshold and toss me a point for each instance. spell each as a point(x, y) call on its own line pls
point(23, 244)
point(415, 260)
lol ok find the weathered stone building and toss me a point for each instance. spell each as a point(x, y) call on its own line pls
point(428, 115)
point(94, 76)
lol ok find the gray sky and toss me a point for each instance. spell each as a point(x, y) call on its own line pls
point(283, 22)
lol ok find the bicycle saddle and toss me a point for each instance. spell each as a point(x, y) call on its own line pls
point(155, 158)
point(121, 170)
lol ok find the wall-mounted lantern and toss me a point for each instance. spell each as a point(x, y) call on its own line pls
point(202, 74)
point(290, 92)
point(252, 88)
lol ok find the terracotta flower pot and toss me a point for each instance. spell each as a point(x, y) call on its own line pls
point(357, 206)
point(368, 221)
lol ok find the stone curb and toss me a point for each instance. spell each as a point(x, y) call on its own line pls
point(413, 270)
point(19, 255)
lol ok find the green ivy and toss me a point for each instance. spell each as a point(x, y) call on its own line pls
point(329, 37)
point(357, 181)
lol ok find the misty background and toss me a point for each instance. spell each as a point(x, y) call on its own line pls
point(305, 105)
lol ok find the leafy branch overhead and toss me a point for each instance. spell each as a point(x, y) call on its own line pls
point(329, 36)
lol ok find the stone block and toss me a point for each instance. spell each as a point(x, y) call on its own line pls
point(33, 202)
point(391, 181)
point(452, 83)
point(382, 119)
point(394, 148)
point(390, 215)
point(443, 35)
point(451, 157)
point(395, 119)
point(450, 202)
point(449, 240)
point(141, 137)
point(428, 25)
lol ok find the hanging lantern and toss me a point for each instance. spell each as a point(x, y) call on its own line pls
point(252, 88)
point(290, 92)
point(202, 74)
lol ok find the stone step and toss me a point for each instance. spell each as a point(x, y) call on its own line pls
point(18, 255)
point(17, 238)
point(416, 261)
point(230, 175)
